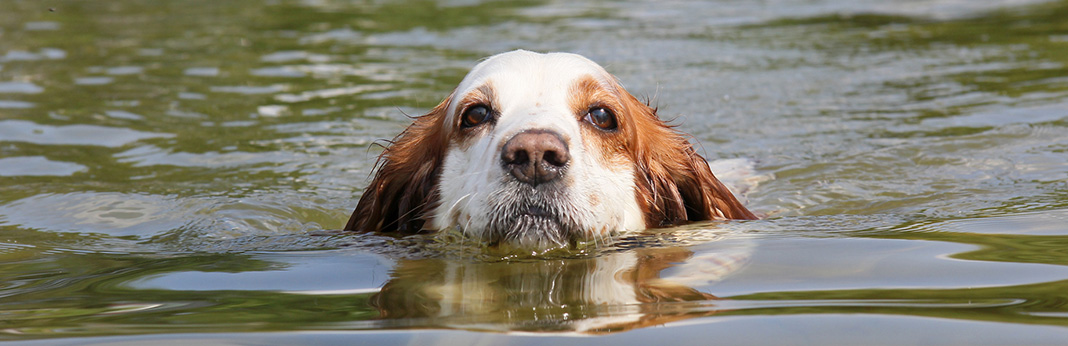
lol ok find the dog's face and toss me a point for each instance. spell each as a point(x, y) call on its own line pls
point(539, 156)
point(538, 151)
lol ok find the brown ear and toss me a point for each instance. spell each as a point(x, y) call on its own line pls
point(706, 196)
point(674, 183)
point(404, 188)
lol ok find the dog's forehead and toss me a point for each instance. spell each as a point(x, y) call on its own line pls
point(518, 72)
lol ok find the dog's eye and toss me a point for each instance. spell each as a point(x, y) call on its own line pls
point(602, 118)
point(474, 116)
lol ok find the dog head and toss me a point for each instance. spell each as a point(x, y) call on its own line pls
point(540, 150)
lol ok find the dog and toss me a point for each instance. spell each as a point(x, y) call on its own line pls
point(541, 151)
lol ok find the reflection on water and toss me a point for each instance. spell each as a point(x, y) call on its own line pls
point(609, 293)
point(177, 167)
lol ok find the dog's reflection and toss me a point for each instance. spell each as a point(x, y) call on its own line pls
point(608, 293)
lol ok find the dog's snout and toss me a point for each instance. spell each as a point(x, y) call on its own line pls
point(535, 156)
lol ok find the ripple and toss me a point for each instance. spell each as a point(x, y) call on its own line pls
point(294, 55)
point(186, 114)
point(37, 166)
point(7, 248)
point(299, 273)
point(30, 132)
point(8, 104)
point(124, 70)
point(249, 90)
point(969, 303)
point(272, 110)
point(1025, 115)
point(1044, 223)
point(191, 96)
point(343, 35)
point(279, 71)
point(44, 53)
point(202, 71)
point(123, 115)
point(154, 156)
point(194, 224)
point(93, 80)
point(329, 93)
point(41, 26)
point(115, 214)
point(19, 88)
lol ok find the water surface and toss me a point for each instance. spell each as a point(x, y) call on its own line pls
point(172, 171)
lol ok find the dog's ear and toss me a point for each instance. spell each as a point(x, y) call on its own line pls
point(706, 197)
point(674, 183)
point(405, 186)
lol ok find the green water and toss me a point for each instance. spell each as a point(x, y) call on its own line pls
point(172, 171)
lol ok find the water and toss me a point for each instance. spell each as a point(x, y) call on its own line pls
point(172, 171)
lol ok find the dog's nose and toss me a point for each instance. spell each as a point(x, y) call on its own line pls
point(535, 156)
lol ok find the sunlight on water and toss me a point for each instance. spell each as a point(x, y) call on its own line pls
point(177, 172)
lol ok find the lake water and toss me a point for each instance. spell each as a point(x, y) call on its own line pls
point(172, 171)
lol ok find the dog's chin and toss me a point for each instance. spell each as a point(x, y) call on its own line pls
point(531, 228)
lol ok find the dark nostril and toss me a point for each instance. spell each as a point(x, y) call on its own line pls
point(518, 156)
point(535, 156)
point(553, 158)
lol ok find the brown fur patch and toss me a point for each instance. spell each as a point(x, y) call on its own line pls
point(405, 186)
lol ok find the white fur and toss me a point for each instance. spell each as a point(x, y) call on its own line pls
point(531, 92)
